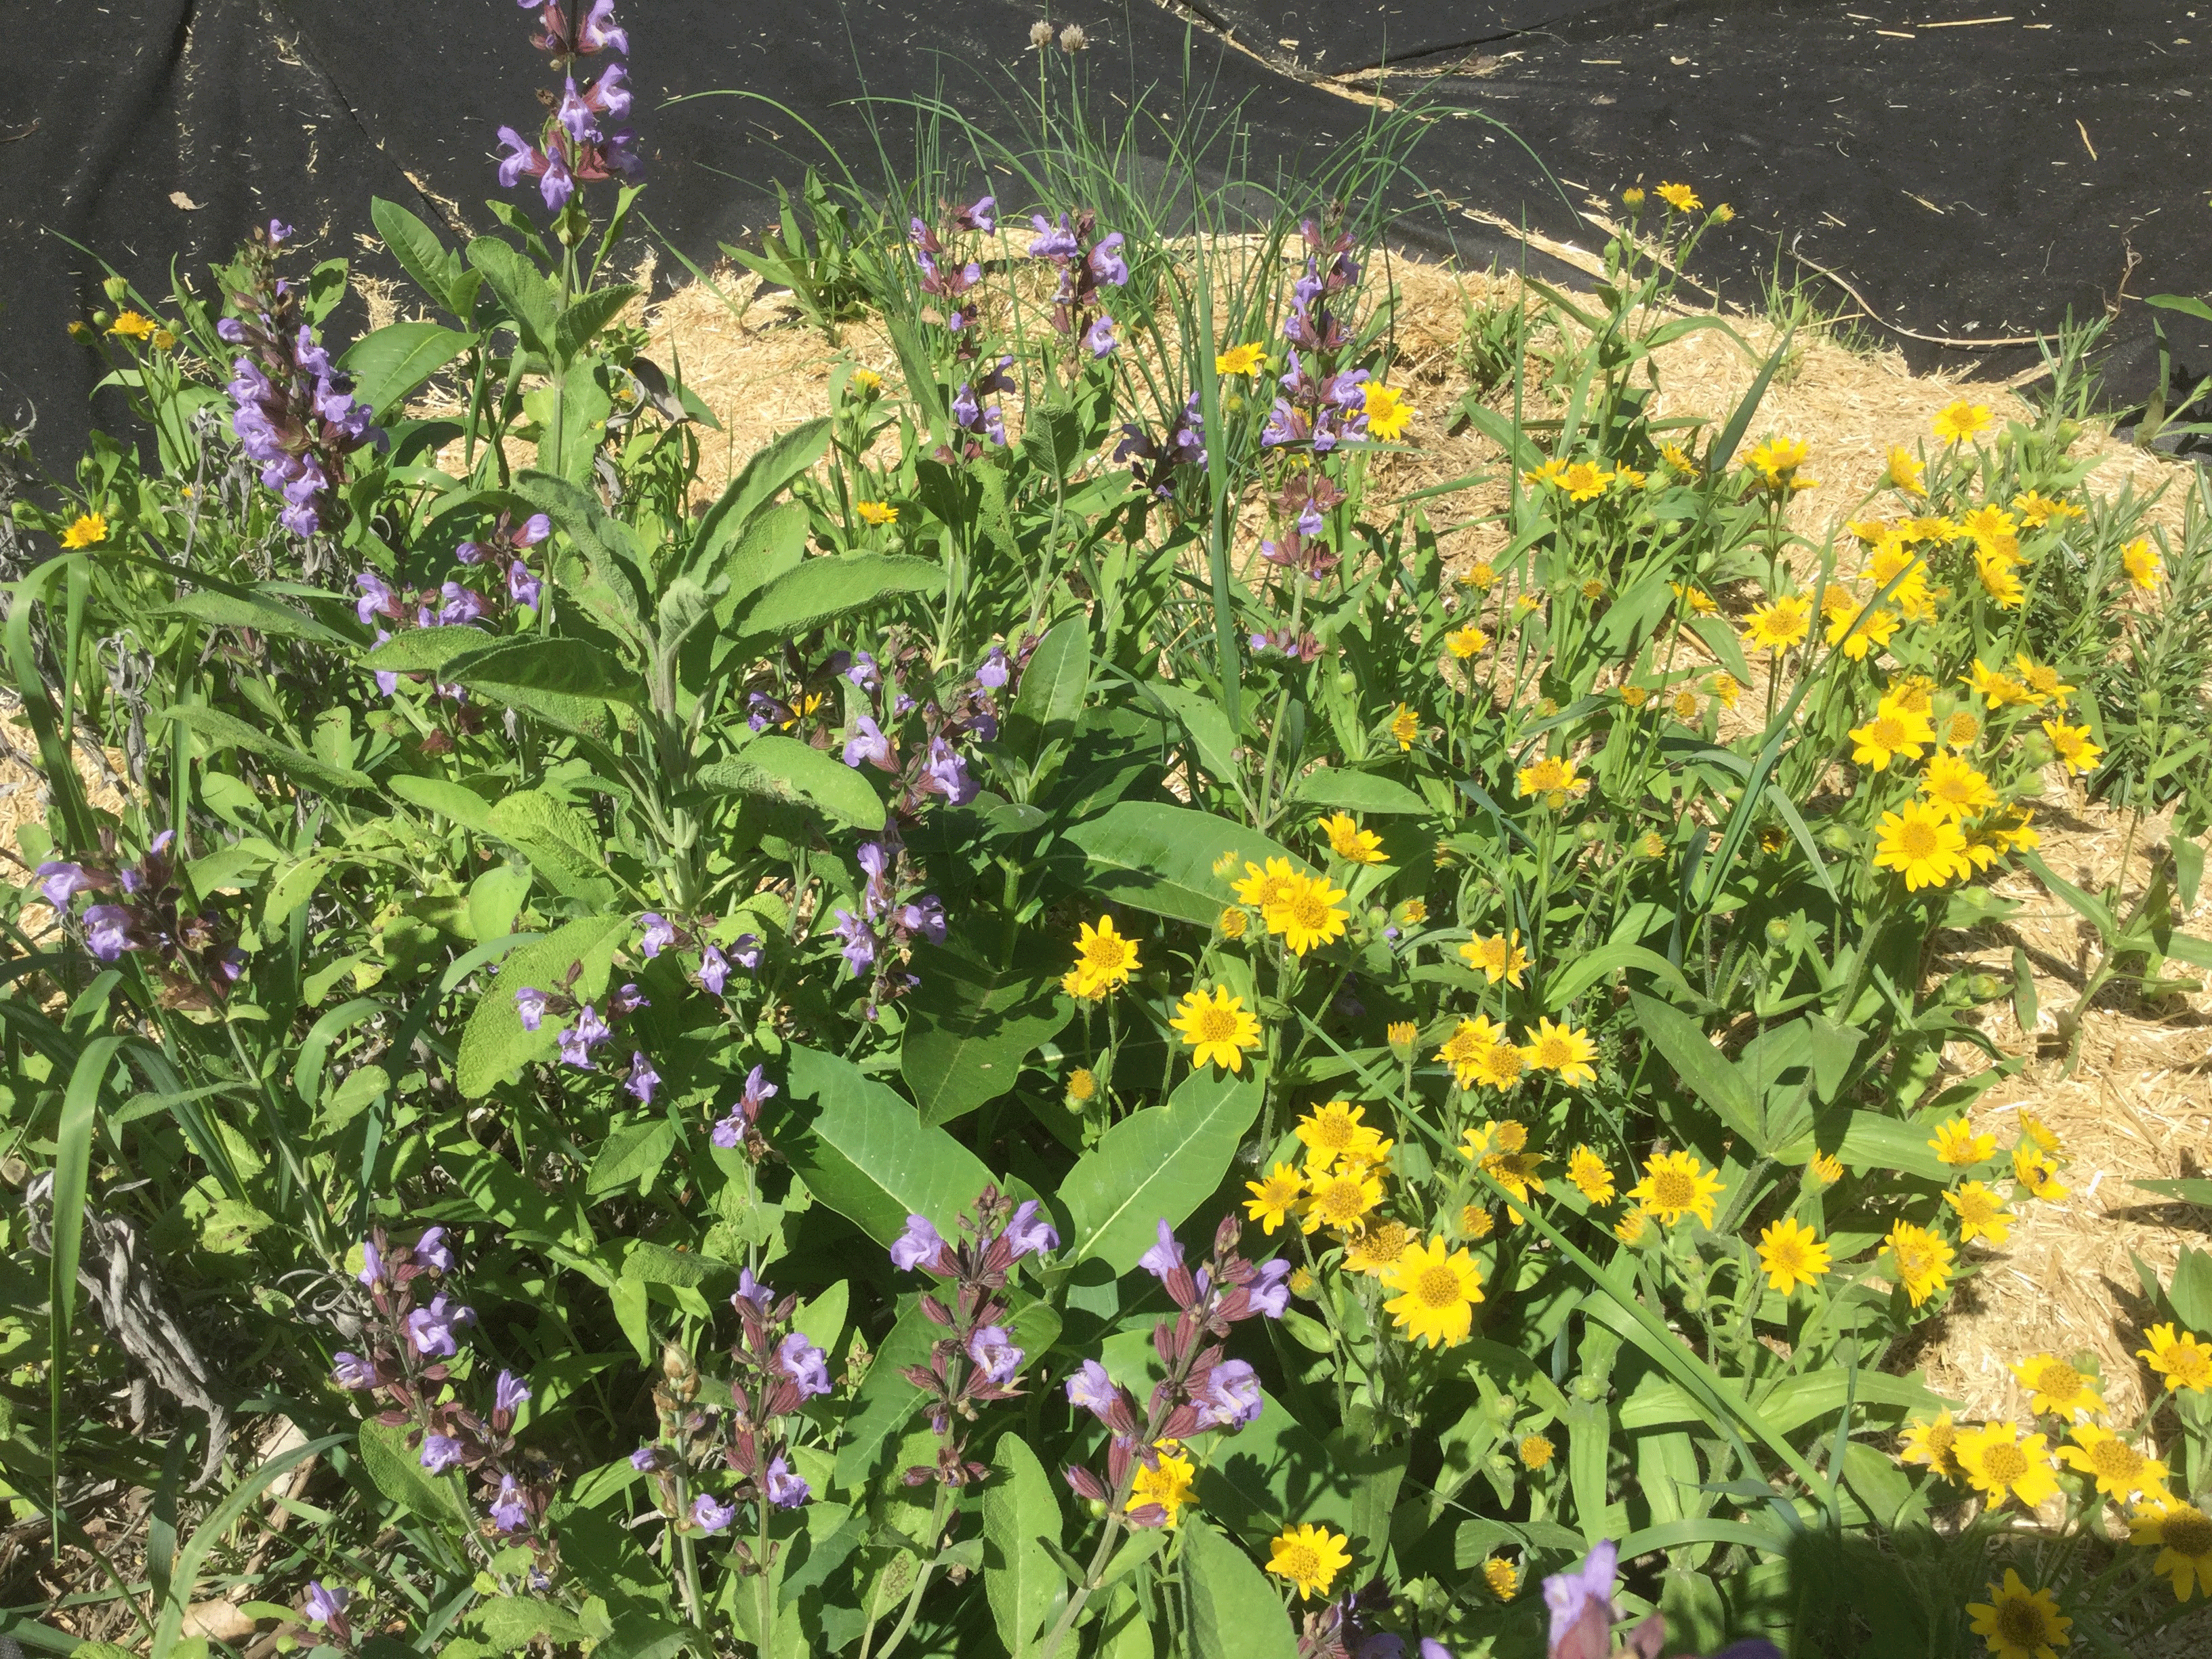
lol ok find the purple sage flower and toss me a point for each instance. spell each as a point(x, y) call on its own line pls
point(978, 214)
point(324, 1606)
point(646, 1459)
point(350, 1370)
point(523, 587)
point(1581, 1600)
point(746, 952)
point(1270, 1293)
point(785, 1490)
point(919, 1243)
point(372, 1262)
point(993, 672)
point(805, 1364)
point(107, 932)
point(508, 1512)
point(62, 881)
point(994, 1355)
point(1106, 262)
point(1090, 1388)
point(577, 1040)
point(1232, 1397)
point(440, 1452)
point(863, 674)
point(1053, 242)
point(751, 1290)
point(1029, 1233)
point(431, 1329)
point(945, 773)
point(430, 1249)
point(708, 1515)
point(1165, 1256)
point(509, 1392)
point(925, 917)
point(659, 934)
point(1098, 338)
point(859, 946)
point(627, 1000)
point(869, 745)
point(643, 1079)
point(462, 605)
point(530, 1005)
point(713, 971)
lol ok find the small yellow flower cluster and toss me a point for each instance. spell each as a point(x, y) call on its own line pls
point(1306, 911)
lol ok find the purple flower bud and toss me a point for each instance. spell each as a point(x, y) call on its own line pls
point(805, 1364)
point(536, 527)
point(530, 1004)
point(994, 1355)
point(372, 1262)
point(785, 1490)
point(708, 1515)
point(324, 1606)
point(1166, 1256)
point(431, 1329)
point(713, 969)
point(1092, 1389)
point(509, 1392)
point(508, 1512)
point(643, 1079)
point(1029, 1233)
point(440, 1452)
point(430, 1249)
point(62, 881)
point(1270, 1292)
point(659, 934)
point(919, 1243)
point(350, 1370)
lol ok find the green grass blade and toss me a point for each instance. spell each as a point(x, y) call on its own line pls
point(72, 1162)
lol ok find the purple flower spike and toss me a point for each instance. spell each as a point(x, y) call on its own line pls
point(440, 1452)
point(508, 1512)
point(713, 971)
point(708, 1515)
point(62, 881)
point(643, 1079)
point(627, 1000)
point(993, 672)
point(994, 1355)
point(946, 774)
point(805, 1364)
point(1028, 1234)
point(919, 1243)
point(350, 1370)
point(859, 946)
point(430, 1249)
point(1092, 1389)
point(1581, 1600)
point(1166, 1256)
point(1053, 242)
point(646, 1459)
point(659, 934)
point(107, 932)
point(785, 1490)
point(523, 587)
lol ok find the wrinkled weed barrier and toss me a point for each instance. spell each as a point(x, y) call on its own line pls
point(946, 1051)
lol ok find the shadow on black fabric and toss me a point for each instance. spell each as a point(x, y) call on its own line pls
point(1972, 182)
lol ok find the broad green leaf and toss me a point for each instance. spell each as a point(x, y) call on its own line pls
point(1873, 1142)
point(580, 324)
point(866, 1154)
point(1814, 1397)
point(390, 363)
point(222, 731)
point(417, 249)
point(1342, 790)
point(801, 599)
point(1208, 727)
point(451, 800)
point(398, 1473)
point(1020, 1580)
point(508, 1622)
point(525, 293)
point(257, 611)
point(1054, 686)
point(1702, 1069)
point(1264, 1477)
point(1174, 861)
point(887, 1402)
point(780, 769)
point(538, 662)
point(772, 469)
point(970, 1026)
point(494, 1045)
point(1159, 1162)
point(822, 1321)
point(630, 1155)
point(1586, 970)
point(1232, 1608)
point(424, 650)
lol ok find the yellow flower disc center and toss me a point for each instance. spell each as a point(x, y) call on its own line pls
point(2004, 1464)
point(2116, 1460)
point(1299, 1562)
point(1216, 1024)
point(2059, 1380)
point(2019, 1623)
point(2189, 1534)
point(1889, 734)
point(1917, 839)
point(1342, 1204)
point(1672, 1190)
point(1437, 1287)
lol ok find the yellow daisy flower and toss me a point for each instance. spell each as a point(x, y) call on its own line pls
point(1922, 1259)
point(2184, 1359)
point(1406, 727)
point(2055, 1387)
point(1589, 1175)
point(2182, 1534)
point(1438, 1288)
point(1904, 471)
point(1566, 1050)
point(1261, 888)
point(1957, 1145)
point(1779, 624)
point(1934, 1444)
point(2141, 562)
point(1676, 1184)
point(1349, 841)
point(1308, 914)
point(1309, 1557)
point(877, 513)
point(2119, 1470)
point(1922, 846)
point(1791, 1254)
point(1583, 480)
point(1503, 1578)
point(1387, 412)
point(1332, 1131)
point(1217, 1027)
point(2073, 746)
point(1467, 641)
point(1167, 1486)
point(1374, 1247)
point(1240, 359)
point(2038, 1174)
point(2000, 1462)
point(1339, 1199)
point(1105, 958)
point(86, 529)
point(1680, 198)
point(1894, 732)
point(2019, 1623)
point(1497, 956)
point(1982, 1214)
point(1274, 1198)
point(1962, 422)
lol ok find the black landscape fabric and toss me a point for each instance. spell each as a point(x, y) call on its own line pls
point(1971, 182)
